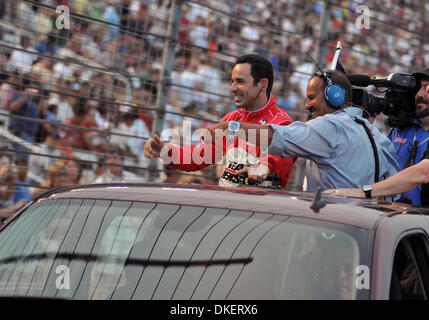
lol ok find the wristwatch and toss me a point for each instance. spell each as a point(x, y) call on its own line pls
point(233, 127)
point(367, 189)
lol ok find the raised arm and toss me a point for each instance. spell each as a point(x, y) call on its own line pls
point(262, 133)
point(187, 158)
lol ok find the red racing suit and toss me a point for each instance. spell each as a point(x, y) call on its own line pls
point(236, 154)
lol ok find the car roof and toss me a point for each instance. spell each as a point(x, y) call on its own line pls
point(361, 213)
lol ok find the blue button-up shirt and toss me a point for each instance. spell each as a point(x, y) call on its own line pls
point(403, 142)
point(339, 150)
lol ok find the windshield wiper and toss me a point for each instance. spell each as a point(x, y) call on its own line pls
point(126, 261)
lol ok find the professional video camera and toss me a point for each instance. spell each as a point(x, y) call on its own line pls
point(398, 102)
point(399, 97)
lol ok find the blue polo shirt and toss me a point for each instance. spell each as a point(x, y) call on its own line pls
point(21, 192)
point(403, 142)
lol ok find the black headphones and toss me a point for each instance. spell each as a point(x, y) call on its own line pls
point(335, 95)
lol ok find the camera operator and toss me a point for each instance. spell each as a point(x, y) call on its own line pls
point(411, 141)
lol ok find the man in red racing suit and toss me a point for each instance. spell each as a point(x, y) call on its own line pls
point(251, 84)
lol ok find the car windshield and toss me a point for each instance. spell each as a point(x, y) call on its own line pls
point(101, 249)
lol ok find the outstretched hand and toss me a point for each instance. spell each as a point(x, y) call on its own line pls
point(256, 172)
point(152, 147)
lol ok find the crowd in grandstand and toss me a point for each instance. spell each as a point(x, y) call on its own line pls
point(104, 77)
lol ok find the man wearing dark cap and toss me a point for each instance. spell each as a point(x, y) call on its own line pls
point(411, 143)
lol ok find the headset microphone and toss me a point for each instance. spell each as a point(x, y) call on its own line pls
point(335, 95)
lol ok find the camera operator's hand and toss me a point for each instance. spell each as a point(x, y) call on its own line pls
point(256, 172)
point(153, 147)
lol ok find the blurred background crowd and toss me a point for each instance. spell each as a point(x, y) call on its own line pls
point(78, 100)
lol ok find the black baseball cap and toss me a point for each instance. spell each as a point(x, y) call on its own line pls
point(422, 74)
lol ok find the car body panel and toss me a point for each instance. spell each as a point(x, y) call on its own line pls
point(389, 232)
point(356, 212)
point(386, 221)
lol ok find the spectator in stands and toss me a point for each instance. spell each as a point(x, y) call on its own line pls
point(8, 88)
point(43, 22)
point(132, 125)
point(4, 57)
point(94, 9)
point(199, 33)
point(74, 133)
point(174, 104)
point(22, 191)
point(138, 23)
point(210, 72)
point(99, 168)
point(61, 173)
point(185, 26)
point(64, 101)
point(42, 71)
point(114, 170)
point(25, 15)
point(102, 112)
point(288, 98)
point(74, 171)
point(23, 104)
point(52, 113)
point(84, 117)
point(56, 175)
point(94, 140)
point(42, 101)
point(111, 15)
point(39, 164)
point(7, 176)
point(48, 44)
point(146, 98)
point(23, 57)
point(193, 79)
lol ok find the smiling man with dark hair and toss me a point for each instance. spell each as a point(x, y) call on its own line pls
point(251, 84)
